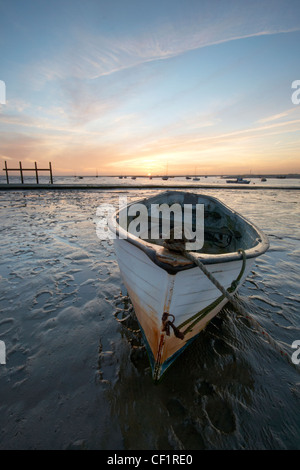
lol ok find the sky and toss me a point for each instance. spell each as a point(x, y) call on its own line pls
point(137, 87)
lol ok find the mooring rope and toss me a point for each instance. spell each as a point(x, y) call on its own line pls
point(179, 247)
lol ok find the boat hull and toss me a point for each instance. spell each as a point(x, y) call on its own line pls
point(188, 298)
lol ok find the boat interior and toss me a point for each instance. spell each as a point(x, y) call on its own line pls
point(225, 231)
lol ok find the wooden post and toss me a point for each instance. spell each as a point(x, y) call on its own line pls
point(21, 173)
point(6, 172)
point(36, 173)
point(50, 168)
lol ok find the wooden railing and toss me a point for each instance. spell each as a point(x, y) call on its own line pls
point(21, 170)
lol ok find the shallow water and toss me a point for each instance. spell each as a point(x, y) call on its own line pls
point(78, 377)
point(146, 181)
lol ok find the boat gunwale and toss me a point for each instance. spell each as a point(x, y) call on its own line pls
point(173, 262)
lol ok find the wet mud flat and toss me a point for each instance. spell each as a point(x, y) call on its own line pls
point(77, 374)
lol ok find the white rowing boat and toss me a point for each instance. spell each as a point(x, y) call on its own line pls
point(173, 299)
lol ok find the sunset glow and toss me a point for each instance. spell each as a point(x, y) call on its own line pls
point(100, 86)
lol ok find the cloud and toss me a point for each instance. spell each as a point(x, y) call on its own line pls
point(177, 149)
point(69, 153)
point(89, 55)
point(275, 117)
point(93, 99)
point(82, 69)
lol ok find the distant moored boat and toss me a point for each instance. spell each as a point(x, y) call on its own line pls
point(239, 181)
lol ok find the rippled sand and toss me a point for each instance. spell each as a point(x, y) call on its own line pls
point(77, 374)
